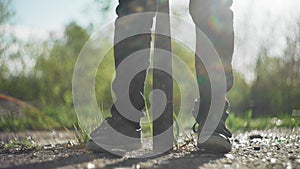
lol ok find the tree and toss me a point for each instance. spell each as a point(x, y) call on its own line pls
point(55, 70)
point(240, 96)
point(277, 85)
point(6, 39)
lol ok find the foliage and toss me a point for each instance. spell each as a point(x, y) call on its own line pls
point(243, 123)
point(6, 39)
point(81, 134)
point(55, 82)
point(240, 95)
point(17, 115)
point(276, 88)
point(30, 121)
point(48, 84)
point(22, 146)
point(103, 5)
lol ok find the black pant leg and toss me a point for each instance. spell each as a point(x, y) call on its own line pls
point(215, 19)
point(126, 47)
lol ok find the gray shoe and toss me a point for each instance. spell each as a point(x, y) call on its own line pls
point(115, 135)
point(218, 142)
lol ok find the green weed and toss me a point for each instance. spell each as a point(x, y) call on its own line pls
point(148, 125)
point(24, 145)
point(81, 135)
point(247, 122)
point(180, 129)
point(29, 119)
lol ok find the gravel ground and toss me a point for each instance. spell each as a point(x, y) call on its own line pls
point(274, 148)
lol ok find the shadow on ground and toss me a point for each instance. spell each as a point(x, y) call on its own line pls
point(72, 160)
point(171, 160)
point(86, 159)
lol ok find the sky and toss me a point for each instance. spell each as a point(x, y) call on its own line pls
point(263, 23)
point(257, 23)
point(48, 14)
point(42, 17)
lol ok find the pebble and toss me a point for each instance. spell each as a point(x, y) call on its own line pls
point(255, 136)
point(236, 141)
point(230, 156)
point(90, 165)
point(273, 160)
point(257, 148)
point(279, 148)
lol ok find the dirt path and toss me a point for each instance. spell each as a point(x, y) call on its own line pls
point(275, 148)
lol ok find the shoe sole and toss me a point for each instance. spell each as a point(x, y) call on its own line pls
point(215, 144)
point(112, 149)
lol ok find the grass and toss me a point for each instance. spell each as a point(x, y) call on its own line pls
point(57, 119)
point(31, 119)
point(16, 115)
point(65, 118)
point(147, 125)
point(24, 145)
point(181, 129)
point(81, 134)
point(182, 125)
point(247, 122)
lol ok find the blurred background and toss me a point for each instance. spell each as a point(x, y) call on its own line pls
point(41, 40)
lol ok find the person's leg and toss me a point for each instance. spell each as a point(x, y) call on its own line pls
point(215, 19)
point(123, 48)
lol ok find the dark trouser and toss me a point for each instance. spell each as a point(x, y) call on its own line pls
point(213, 17)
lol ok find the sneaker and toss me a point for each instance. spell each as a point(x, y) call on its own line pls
point(115, 135)
point(219, 141)
point(216, 143)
